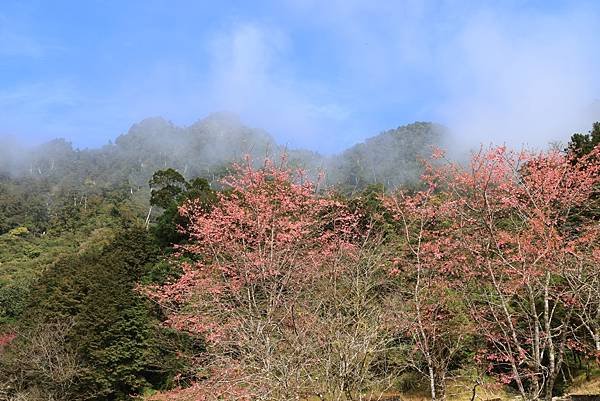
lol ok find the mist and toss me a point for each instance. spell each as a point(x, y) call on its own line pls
point(526, 86)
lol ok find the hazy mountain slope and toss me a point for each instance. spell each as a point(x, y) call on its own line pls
point(207, 147)
point(390, 158)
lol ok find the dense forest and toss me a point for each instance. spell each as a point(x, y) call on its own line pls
point(210, 263)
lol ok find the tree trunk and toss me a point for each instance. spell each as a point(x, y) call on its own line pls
point(440, 384)
point(432, 382)
point(552, 370)
point(147, 223)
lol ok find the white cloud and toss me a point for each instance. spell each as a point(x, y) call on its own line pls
point(524, 81)
point(250, 76)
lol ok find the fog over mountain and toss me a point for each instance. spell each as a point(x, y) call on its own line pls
point(207, 147)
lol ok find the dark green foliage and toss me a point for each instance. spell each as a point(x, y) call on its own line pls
point(579, 146)
point(165, 230)
point(582, 144)
point(166, 186)
point(169, 191)
point(120, 348)
point(13, 300)
point(21, 204)
point(22, 259)
point(368, 203)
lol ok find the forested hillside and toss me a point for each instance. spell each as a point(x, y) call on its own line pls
point(391, 158)
point(40, 183)
point(209, 262)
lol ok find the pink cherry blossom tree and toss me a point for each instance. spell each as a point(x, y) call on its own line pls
point(284, 286)
point(513, 212)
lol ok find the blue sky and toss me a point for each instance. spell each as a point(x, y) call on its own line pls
point(317, 74)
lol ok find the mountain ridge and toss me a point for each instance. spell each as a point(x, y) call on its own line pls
point(206, 148)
